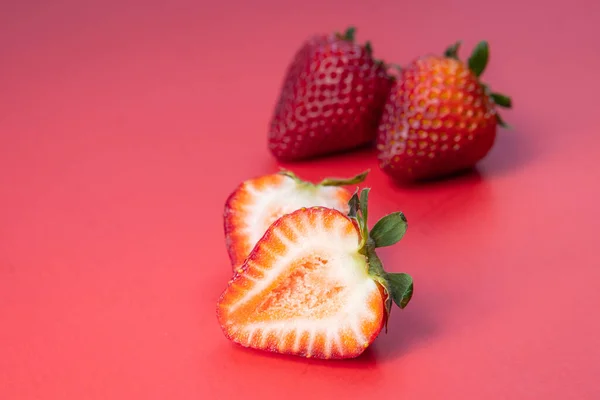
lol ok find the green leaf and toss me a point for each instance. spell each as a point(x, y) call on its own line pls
point(397, 67)
point(375, 265)
point(327, 181)
point(344, 181)
point(486, 88)
point(349, 34)
point(479, 58)
point(502, 123)
point(364, 211)
point(368, 47)
point(389, 229)
point(353, 204)
point(501, 100)
point(290, 174)
point(377, 272)
point(452, 51)
point(401, 287)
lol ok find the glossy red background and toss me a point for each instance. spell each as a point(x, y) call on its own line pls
point(124, 126)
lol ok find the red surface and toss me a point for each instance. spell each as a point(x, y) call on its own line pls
point(123, 127)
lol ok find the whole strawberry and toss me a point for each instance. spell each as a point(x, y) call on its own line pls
point(331, 99)
point(439, 118)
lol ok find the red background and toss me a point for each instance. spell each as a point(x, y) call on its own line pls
point(124, 126)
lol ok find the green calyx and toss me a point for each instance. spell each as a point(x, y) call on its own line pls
point(477, 62)
point(452, 50)
point(501, 100)
point(328, 181)
point(388, 231)
point(479, 58)
point(350, 36)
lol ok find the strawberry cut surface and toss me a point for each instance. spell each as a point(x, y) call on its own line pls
point(305, 290)
point(258, 202)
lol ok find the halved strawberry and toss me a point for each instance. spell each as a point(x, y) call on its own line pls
point(313, 286)
point(256, 203)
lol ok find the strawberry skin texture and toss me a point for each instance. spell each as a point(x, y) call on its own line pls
point(438, 120)
point(331, 100)
point(256, 203)
point(304, 290)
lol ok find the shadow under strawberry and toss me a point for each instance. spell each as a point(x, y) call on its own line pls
point(467, 176)
point(414, 328)
point(360, 154)
point(512, 151)
point(435, 211)
point(367, 360)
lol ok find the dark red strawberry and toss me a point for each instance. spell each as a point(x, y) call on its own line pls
point(331, 99)
point(439, 118)
point(256, 203)
point(313, 285)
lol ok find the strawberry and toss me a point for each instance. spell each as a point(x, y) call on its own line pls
point(313, 285)
point(256, 203)
point(331, 99)
point(439, 118)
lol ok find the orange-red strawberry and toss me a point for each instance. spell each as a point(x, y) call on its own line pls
point(256, 203)
point(439, 118)
point(313, 285)
point(331, 99)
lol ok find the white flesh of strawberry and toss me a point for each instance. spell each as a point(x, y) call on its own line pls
point(285, 198)
point(344, 268)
